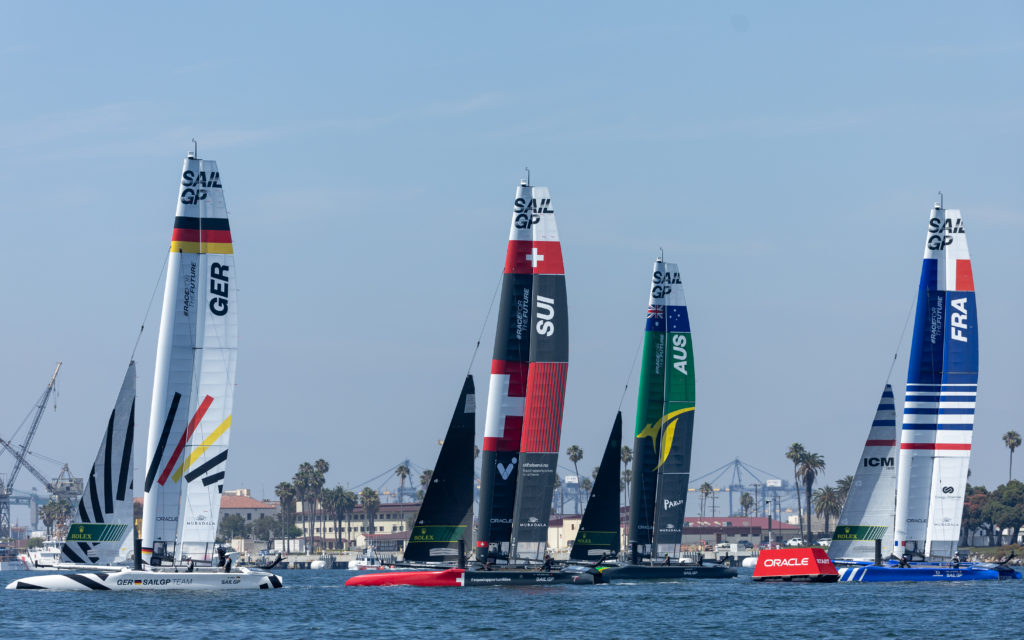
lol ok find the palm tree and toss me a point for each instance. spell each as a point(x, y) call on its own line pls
point(320, 469)
point(705, 490)
point(793, 455)
point(746, 503)
point(586, 484)
point(811, 464)
point(828, 504)
point(425, 479)
point(370, 501)
point(1012, 440)
point(627, 473)
point(575, 454)
point(403, 472)
point(286, 494)
point(627, 477)
point(843, 489)
point(593, 474)
point(348, 503)
point(302, 481)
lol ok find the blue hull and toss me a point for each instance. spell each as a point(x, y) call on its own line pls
point(925, 573)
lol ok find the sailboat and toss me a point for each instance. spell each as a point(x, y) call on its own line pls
point(527, 387)
point(191, 410)
point(663, 438)
point(523, 424)
point(938, 418)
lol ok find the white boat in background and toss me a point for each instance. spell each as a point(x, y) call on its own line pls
point(192, 405)
point(44, 558)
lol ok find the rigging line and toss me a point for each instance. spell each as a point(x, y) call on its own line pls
point(636, 356)
point(900, 344)
point(484, 326)
point(149, 307)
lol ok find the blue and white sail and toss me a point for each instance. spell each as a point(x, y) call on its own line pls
point(871, 503)
point(942, 386)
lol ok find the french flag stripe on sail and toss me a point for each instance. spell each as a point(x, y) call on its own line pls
point(964, 276)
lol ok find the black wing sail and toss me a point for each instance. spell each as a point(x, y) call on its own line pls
point(599, 529)
point(447, 510)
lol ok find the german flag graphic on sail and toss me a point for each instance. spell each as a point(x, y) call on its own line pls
point(201, 235)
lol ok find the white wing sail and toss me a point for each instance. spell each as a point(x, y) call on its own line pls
point(193, 388)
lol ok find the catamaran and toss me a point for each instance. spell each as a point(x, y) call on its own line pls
point(522, 428)
point(663, 439)
point(192, 405)
point(938, 419)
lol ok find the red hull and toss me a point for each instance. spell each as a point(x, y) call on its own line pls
point(445, 578)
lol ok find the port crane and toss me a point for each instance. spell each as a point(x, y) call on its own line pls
point(64, 486)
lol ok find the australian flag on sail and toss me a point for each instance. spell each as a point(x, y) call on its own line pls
point(676, 317)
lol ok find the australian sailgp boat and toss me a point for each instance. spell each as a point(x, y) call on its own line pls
point(191, 410)
point(938, 417)
point(663, 439)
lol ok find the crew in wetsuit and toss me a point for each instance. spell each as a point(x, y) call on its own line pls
point(547, 563)
point(668, 561)
point(904, 562)
point(955, 562)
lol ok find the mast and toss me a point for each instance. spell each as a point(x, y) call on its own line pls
point(193, 387)
point(942, 387)
point(545, 386)
point(664, 421)
point(446, 513)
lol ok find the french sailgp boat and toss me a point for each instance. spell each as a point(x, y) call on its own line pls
point(191, 410)
point(523, 424)
point(938, 418)
point(663, 439)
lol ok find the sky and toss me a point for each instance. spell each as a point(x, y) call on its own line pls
point(785, 155)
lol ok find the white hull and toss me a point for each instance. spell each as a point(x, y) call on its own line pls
point(132, 580)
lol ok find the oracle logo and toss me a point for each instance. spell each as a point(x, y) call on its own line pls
point(785, 562)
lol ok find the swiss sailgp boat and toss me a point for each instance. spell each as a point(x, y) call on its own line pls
point(527, 387)
point(523, 425)
point(663, 439)
point(938, 418)
point(191, 411)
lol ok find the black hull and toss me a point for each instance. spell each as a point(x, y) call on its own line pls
point(671, 572)
point(527, 578)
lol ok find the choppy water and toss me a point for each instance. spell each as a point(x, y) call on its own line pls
point(315, 604)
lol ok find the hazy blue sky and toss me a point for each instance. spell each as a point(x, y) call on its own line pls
point(784, 154)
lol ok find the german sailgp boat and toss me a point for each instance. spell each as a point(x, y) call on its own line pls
point(193, 394)
point(663, 439)
point(938, 419)
point(523, 424)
